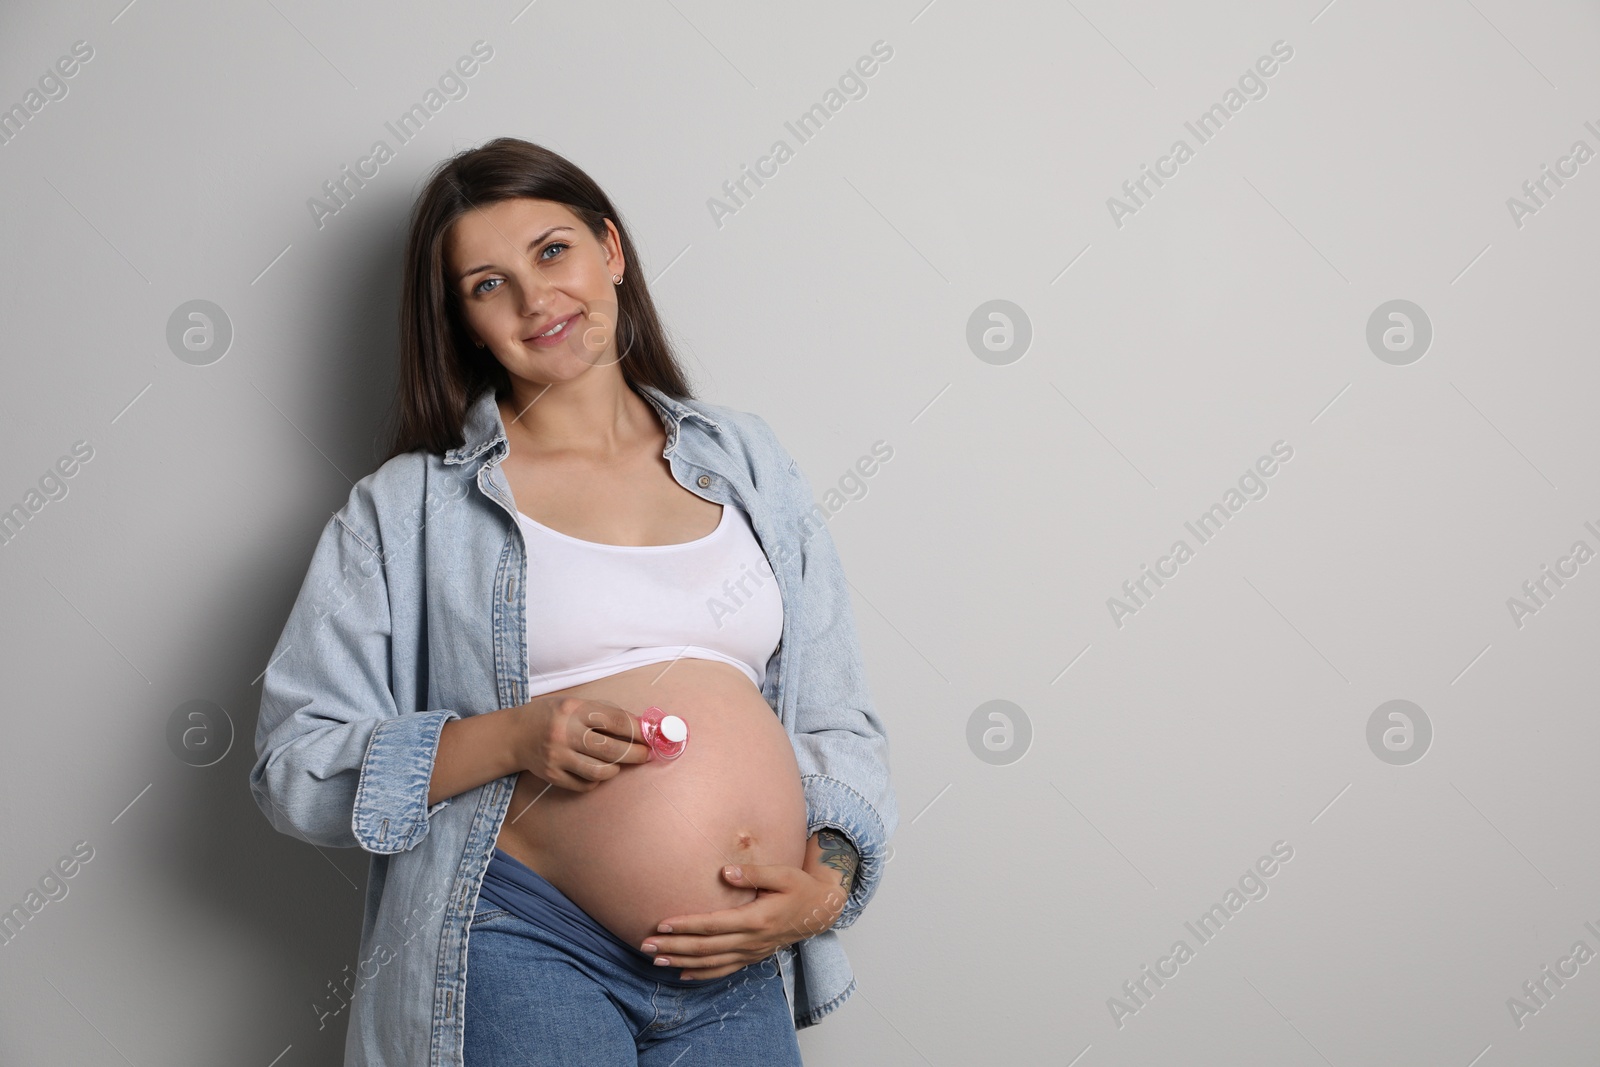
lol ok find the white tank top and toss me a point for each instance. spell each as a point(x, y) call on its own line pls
point(595, 609)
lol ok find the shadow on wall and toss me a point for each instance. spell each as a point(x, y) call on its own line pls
point(296, 907)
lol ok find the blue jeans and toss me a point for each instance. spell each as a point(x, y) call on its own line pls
point(537, 995)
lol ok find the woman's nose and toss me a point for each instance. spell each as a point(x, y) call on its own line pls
point(534, 288)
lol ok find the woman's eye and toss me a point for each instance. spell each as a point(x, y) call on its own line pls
point(479, 290)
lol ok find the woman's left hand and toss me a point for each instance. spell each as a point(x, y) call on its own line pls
point(791, 904)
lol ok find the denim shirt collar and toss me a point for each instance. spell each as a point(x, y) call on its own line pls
point(483, 428)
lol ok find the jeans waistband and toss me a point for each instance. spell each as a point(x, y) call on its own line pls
point(511, 884)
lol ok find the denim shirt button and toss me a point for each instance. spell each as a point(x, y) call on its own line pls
point(703, 481)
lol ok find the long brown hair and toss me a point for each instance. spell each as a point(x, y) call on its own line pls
point(441, 370)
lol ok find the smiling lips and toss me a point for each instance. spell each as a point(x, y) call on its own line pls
point(545, 340)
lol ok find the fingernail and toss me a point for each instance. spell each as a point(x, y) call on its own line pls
point(663, 929)
point(734, 872)
point(662, 961)
point(647, 947)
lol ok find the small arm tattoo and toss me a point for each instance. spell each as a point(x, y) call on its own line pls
point(838, 853)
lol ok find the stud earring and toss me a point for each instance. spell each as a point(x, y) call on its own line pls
point(616, 279)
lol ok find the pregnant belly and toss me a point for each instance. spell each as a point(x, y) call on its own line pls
point(652, 841)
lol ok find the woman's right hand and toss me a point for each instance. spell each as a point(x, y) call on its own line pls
point(577, 743)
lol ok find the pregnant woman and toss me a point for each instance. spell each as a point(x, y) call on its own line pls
point(562, 548)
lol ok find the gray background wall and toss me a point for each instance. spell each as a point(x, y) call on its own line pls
point(1146, 766)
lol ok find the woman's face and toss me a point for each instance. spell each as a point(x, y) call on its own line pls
point(523, 267)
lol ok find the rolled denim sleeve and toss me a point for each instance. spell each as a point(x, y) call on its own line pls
point(840, 741)
point(337, 763)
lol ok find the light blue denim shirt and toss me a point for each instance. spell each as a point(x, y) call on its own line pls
point(412, 614)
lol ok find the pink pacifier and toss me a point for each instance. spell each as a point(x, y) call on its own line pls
point(667, 735)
